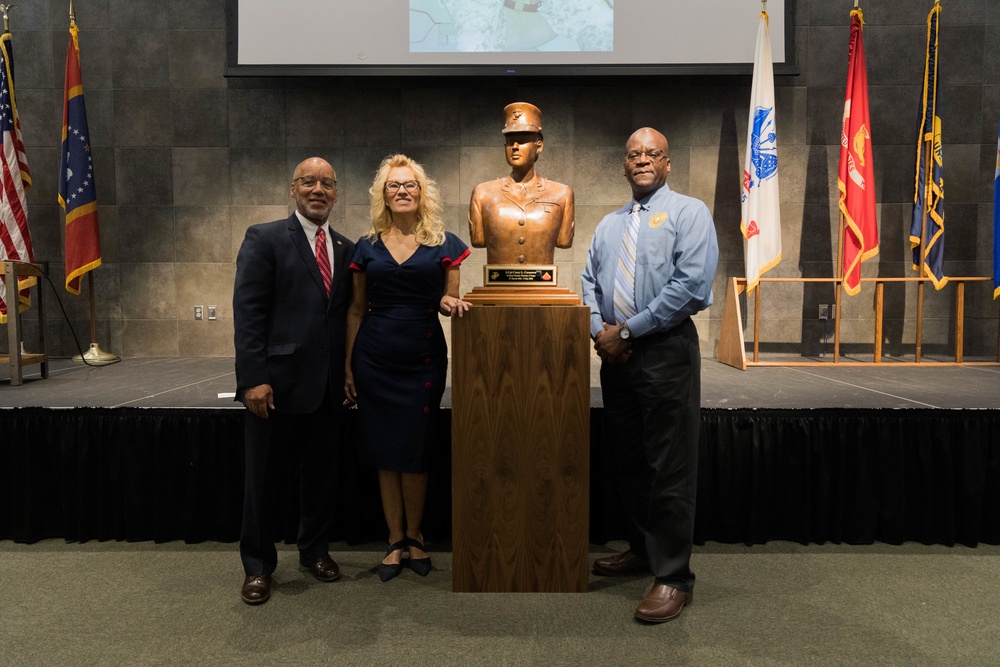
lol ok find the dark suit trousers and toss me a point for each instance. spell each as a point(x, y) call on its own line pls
point(316, 440)
point(652, 422)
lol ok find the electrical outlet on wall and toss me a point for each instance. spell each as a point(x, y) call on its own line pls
point(212, 313)
point(199, 312)
point(824, 311)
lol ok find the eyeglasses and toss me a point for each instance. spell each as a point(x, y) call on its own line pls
point(311, 181)
point(392, 187)
point(653, 155)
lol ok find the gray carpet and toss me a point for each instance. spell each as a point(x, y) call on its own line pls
point(778, 604)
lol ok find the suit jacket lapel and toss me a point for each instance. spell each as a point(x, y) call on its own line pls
point(301, 244)
point(341, 264)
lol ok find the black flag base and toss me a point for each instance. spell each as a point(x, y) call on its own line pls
point(95, 356)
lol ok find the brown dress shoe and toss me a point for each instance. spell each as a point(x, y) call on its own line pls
point(323, 568)
point(256, 589)
point(662, 603)
point(628, 562)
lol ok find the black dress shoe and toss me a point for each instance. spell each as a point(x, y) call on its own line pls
point(323, 568)
point(256, 589)
point(421, 566)
point(387, 571)
point(622, 564)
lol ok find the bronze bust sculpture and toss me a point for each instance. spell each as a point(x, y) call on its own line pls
point(521, 218)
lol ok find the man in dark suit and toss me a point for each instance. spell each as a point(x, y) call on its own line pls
point(289, 305)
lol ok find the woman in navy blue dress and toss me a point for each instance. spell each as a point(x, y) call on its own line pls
point(405, 273)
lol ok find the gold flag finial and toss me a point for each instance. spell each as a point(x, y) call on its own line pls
point(72, 15)
point(6, 10)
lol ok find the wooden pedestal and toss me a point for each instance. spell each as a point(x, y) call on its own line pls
point(521, 449)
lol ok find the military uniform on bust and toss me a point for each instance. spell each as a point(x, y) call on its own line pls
point(521, 218)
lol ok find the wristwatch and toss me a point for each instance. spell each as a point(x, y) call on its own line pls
point(625, 332)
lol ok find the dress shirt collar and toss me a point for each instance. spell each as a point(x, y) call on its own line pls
point(310, 227)
point(644, 202)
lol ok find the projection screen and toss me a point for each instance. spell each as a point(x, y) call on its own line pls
point(502, 37)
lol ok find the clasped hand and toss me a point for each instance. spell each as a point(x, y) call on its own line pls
point(610, 346)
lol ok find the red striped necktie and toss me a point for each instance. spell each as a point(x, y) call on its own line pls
point(323, 259)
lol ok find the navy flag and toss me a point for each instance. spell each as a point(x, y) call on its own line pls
point(927, 229)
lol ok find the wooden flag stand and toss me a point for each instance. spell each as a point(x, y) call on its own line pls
point(16, 357)
point(732, 347)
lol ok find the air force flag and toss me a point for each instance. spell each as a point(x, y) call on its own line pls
point(761, 222)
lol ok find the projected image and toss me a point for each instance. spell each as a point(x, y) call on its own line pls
point(471, 26)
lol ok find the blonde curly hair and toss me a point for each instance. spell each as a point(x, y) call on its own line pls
point(430, 225)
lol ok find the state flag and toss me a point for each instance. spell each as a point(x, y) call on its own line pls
point(77, 192)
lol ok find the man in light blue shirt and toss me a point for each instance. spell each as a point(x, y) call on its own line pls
point(650, 268)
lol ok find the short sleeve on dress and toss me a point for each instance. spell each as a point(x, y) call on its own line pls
point(453, 251)
point(362, 254)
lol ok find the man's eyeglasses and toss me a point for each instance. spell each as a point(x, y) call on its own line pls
point(392, 187)
point(653, 155)
point(311, 181)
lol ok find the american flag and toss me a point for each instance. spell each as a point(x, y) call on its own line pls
point(15, 181)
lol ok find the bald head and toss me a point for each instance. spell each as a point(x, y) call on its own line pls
point(647, 162)
point(310, 164)
point(649, 137)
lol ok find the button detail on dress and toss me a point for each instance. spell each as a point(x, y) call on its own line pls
point(521, 240)
point(521, 259)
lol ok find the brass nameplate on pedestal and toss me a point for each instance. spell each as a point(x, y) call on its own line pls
point(527, 275)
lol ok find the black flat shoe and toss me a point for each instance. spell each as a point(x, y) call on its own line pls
point(421, 566)
point(388, 571)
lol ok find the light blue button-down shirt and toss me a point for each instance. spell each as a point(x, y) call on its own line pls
point(676, 257)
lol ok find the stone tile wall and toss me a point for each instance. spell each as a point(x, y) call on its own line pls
point(186, 160)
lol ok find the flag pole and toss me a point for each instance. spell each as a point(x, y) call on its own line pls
point(922, 268)
point(94, 355)
point(839, 285)
point(922, 256)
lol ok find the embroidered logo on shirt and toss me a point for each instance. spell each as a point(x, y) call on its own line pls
point(657, 220)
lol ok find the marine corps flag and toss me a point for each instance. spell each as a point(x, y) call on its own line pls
point(927, 229)
point(761, 222)
point(856, 179)
point(77, 194)
point(15, 181)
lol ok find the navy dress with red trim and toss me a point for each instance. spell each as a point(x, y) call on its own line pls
point(400, 357)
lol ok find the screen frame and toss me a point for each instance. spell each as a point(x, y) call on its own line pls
point(233, 69)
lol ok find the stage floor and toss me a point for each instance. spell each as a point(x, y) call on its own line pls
point(198, 383)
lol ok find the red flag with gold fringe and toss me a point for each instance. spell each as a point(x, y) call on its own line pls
point(856, 176)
